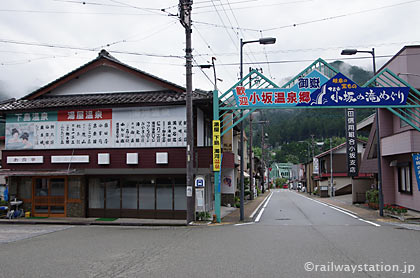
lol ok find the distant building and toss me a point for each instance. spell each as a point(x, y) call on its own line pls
point(343, 183)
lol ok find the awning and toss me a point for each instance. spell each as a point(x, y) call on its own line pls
point(10, 173)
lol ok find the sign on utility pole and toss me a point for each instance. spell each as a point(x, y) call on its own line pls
point(185, 7)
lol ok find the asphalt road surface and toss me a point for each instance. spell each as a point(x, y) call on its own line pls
point(293, 233)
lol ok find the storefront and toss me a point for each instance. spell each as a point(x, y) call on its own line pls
point(86, 147)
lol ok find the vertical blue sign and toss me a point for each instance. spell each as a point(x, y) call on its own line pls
point(416, 163)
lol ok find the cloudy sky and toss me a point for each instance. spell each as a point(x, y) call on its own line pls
point(44, 39)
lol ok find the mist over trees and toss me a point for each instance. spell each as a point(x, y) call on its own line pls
point(289, 130)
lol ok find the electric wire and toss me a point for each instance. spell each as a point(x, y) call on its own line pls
point(211, 49)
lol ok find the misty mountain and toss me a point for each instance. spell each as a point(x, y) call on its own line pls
point(291, 125)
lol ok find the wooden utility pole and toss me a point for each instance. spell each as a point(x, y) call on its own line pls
point(185, 7)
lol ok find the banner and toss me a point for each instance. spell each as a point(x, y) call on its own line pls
point(97, 128)
point(416, 163)
point(316, 90)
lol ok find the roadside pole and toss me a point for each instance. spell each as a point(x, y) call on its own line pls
point(185, 7)
point(217, 197)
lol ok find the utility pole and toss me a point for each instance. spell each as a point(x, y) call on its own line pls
point(251, 160)
point(262, 159)
point(331, 169)
point(185, 7)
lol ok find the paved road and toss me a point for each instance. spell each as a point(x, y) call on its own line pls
point(292, 231)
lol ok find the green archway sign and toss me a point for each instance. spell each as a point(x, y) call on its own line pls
point(318, 86)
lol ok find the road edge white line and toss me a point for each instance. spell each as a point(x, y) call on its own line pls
point(259, 215)
point(255, 211)
point(342, 211)
point(265, 202)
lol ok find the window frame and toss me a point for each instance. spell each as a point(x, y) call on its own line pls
point(404, 173)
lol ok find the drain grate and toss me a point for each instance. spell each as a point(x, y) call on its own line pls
point(283, 219)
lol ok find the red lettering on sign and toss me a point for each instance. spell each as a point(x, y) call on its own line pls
point(240, 91)
point(254, 98)
point(279, 97)
point(85, 115)
point(304, 97)
point(292, 97)
point(267, 97)
point(243, 101)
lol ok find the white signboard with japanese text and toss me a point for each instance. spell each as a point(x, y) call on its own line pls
point(97, 128)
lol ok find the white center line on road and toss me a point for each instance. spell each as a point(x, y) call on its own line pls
point(262, 210)
point(341, 210)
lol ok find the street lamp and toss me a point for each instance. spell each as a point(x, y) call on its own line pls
point(378, 140)
point(242, 43)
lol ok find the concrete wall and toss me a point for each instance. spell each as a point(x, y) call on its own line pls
point(359, 188)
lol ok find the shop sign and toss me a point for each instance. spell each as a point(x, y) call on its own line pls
point(217, 155)
point(316, 90)
point(315, 166)
point(24, 159)
point(351, 136)
point(416, 163)
point(97, 128)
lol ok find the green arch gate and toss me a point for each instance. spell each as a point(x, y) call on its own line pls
point(318, 86)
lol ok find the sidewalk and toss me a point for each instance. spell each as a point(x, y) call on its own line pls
point(249, 207)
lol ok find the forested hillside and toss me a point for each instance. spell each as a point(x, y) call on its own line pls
point(289, 126)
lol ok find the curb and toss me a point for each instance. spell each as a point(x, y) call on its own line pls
point(98, 223)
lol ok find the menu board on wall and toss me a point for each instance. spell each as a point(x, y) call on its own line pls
point(97, 128)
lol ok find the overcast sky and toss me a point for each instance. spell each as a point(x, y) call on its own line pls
point(44, 39)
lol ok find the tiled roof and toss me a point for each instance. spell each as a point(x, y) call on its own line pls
point(106, 99)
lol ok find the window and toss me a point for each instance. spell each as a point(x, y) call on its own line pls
point(129, 194)
point(96, 194)
point(404, 178)
point(147, 195)
point(57, 186)
point(25, 188)
point(164, 194)
point(113, 193)
point(180, 196)
point(74, 187)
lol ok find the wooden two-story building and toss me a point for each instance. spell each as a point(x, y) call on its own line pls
point(105, 140)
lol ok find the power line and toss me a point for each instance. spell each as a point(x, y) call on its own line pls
point(222, 5)
point(163, 27)
point(209, 47)
point(73, 12)
point(237, 23)
point(223, 23)
point(326, 59)
point(295, 50)
point(339, 16)
point(256, 7)
point(302, 23)
point(86, 49)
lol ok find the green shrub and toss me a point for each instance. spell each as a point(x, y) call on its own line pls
point(372, 196)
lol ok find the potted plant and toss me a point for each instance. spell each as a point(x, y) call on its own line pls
point(372, 196)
